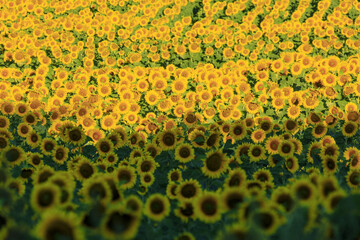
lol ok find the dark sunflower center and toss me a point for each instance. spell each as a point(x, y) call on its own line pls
point(188, 210)
point(330, 164)
point(349, 128)
point(34, 138)
point(97, 190)
point(315, 118)
point(30, 119)
point(105, 147)
point(274, 145)
point(59, 154)
point(119, 222)
point(3, 142)
point(36, 160)
point(12, 155)
point(49, 146)
point(59, 229)
point(256, 152)
point(169, 139)
point(211, 140)
point(286, 201)
point(303, 192)
point(290, 125)
point(145, 166)
point(175, 176)
point(2, 123)
point(191, 118)
point(319, 129)
point(86, 170)
point(265, 220)
point(45, 198)
point(234, 199)
point(147, 178)
point(157, 206)
point(289, 163)
point(184, 152)
point(188, 191)
point(238, 130)
point(75, 135)
point(286, 148)
point(213, 162)
point(44, 176)
point(24, 129)
point(209, 207)
point(355, 178)
point(124, 175)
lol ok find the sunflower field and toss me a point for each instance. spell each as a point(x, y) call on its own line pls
point(179, 119)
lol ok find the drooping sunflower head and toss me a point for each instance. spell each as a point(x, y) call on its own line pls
point(213, 140)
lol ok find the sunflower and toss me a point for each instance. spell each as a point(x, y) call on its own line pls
point(272, 144)
point(185, 211)
point(167, 140)
point(236, 178)
point(286, 148)
point(215, 163)
point(75, 135)
point(175, 175)
point(120, 223)
point(108, 122)
point(242, 149)
point(84, 169)
point(333, 199)
point(134, 204)
point(147, 164)
point(60, 154)
point(290, 126)
point(188, 190)
point(197, 138)
point(256, 152)
point(171, 190)
point(17, 185)
point(21, 109)
point(355, 162)
point(13, 155)
point(314, 118)
point(232, 197)
point(327, 185)
point(329, 165)
point(353, 178)
point(47, 146)
point(298, 145)
point(208, 207)
point(258, 136)
point(282, 197)
point(292, 164)
point(59, 224)
point(95, 189)
point(349, 129)
point(44, 196)
point(4, 122)
point(104, 146)
point(152, 149)
point(266, 219)
point(184, 153)
point(264, 176)
point(213, 140)
point(278, 103)
point(157, 207)
point(331, 150)
point(304, 191)
point(126, 176)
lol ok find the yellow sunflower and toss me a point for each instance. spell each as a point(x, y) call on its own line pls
point(215, 164)
point(157, 207)
point(208, 207)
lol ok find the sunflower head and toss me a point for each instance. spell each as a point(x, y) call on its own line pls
point(157, 207)
point(232, 197)
point(104, 146)
point(238, 131)
point(13, 155)
point(76, 136)
point(215, 164)
point(184, 153)
point(304, 191)
point(353, 178)
point(45, 196)
point(236, 178)
point(266, 220)
point(283, 197)
point(208, 207)
point(213, 140)
point(188, 190)
point(349, 129)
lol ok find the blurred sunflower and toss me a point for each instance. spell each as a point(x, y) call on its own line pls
point(59, 224)
point(264, 176)
point(329, 165)
point(231, 197)
point(13, 155)
point(242, 149)
point(120, 223)
point(197, 138)
point(303, 191)
point(332, 201)
point(95, 189)
point(157, 207)
point(44, 197)
point(236, 178)
point(215, 164)
point(208, 207)
point(327, 185)
point(282, 197)
point(213, 140)
point(126, 176)
point(266, 219)
point(134, 204)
